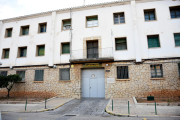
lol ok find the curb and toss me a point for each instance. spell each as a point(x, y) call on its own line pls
point(43, 110)
point(129, 115)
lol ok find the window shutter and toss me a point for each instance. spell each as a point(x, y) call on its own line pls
point(9, 33)
point(39, 75)
point(65, 48)
point(64, 74)
point(121, 44)
point(153, 41)
point(41, 50)
point(177, 39)
point(21, 74)
point(6, 54)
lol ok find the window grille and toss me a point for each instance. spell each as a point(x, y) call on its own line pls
point(177, 39)
point(3, 73)
point(122, 72)
point(21, 74)
point(156, 71)
point(149, 15)
point(64, 74)
point(119, 18)
point(175, 12)
point(121, 44)
point(39, 75)
point(92, 49)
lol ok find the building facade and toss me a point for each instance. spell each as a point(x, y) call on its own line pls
point(116, 49)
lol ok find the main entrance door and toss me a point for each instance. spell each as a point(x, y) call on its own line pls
point(93, 83)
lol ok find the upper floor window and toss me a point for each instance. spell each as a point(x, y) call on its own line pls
point(149, 15)
point(21, 74)
point(22, 51)
point(8, 32)
point(175, 12)
point(92, 49)
point(66, 24)
point(5, 53)
point(24, 30)
point(39, 75)
point(156, 71)
point(42, 27)
point(122, 72)
point(153, 41)
point(64, 74)
point(40, 50)
point(121, 44)
point(65, 48)
point(177, 39)
point(92, 21)
point(119, 18)
point(3, 73)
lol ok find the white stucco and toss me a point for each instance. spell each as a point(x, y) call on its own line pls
point(135, 30)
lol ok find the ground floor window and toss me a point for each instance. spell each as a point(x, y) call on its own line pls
point(39, 75)
point(122, 72)
point(3, 73)
point(21, 74)
point(156, 71)
point(64, 74)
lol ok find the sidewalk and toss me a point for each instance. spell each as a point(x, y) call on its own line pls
point(50, 105)
point(120, 107)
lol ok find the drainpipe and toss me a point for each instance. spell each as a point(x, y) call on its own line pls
point(71, 34)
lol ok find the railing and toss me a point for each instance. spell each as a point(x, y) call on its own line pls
point(93, 53)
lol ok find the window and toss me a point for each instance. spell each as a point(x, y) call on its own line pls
point(92, 49)
point(3, 73)
point(40, 50)
point(175, 12)
point(122, 72)
point(66, 24)
point(177, 39)
point(21, 74)
point(42, 27)
point(8, 32)
point(121, 44)
point(39, 75)
point(119, 18)
point(92, 21)
point(156, 71)
point(5, 53)
point(22, 51)
point(64, 74)
point(65, 48)
point(149, 15)
point(24, 30)
point(179, 68)
point(153, 41)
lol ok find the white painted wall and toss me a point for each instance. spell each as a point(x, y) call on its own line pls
point(135, 29)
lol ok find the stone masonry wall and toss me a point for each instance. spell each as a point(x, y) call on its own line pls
point(139, 83)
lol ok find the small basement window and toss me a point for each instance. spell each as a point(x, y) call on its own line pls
point(3, 73)
point(149, 15)
point(40, 50)
point(177, 39)
point(92, 21)
point(156, 71)
point(119, 18)
point(121, 44)
point(21, 74)
point(122, 72)
point(65, 48)
point(175, 12)
point(39, 75)
point(42, 27)
point(24, 30)
point(8, 32)
point(66, 24)
point(5, 53)
point(22, 51)
point(64, 74)
point(153, 41)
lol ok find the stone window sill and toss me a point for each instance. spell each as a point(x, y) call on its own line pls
point(157, 78)
point(122, 79)
point(64, 80)
point(38, 81)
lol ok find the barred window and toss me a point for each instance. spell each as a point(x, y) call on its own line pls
point(39, 75)
point(179, 68)
point(21, 74)
point(64, 74)
point(156, 71)
point(122, 72)
point(3, 73)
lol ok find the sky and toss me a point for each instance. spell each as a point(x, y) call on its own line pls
point(15, 8)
